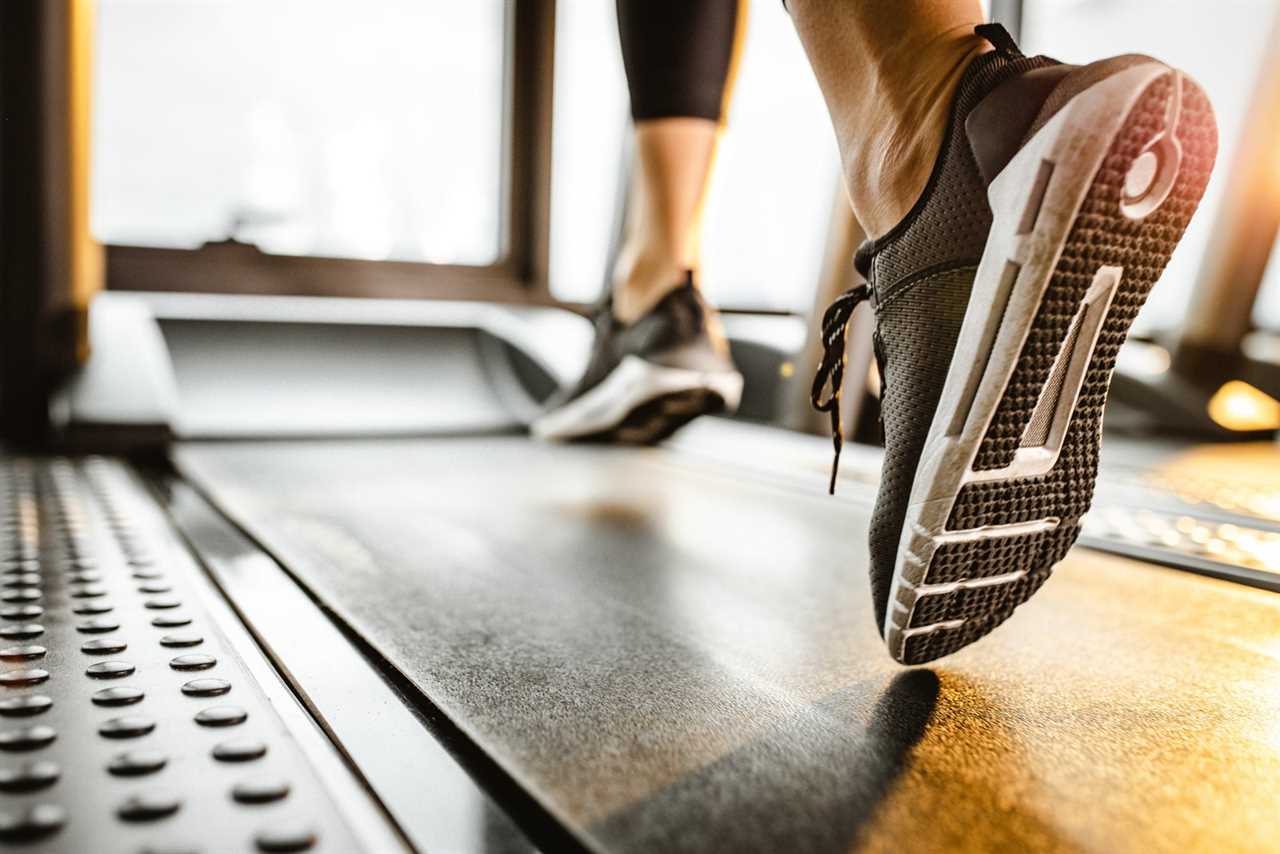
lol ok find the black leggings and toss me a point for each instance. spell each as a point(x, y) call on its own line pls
point(679, 55)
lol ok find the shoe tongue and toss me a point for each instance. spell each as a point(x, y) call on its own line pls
point(862, 258)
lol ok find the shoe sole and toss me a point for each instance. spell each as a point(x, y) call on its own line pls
point(641, 403)
point(1085, 218)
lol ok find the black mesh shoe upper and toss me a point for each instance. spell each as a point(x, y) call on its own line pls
point(921, 274)
point(681, 331)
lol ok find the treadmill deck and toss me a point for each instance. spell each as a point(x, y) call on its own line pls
point(671, 652)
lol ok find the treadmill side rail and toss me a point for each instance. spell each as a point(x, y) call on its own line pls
point(163, 725)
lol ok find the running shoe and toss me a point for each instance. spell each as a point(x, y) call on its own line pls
point(647, 379)
point(1001, 301)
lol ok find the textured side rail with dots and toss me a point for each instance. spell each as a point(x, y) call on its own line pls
point(128, 721)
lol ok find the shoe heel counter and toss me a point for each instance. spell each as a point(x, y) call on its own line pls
point(1011, 113)
point(685, 320)
point(998, 124)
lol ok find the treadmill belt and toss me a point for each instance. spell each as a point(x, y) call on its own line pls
point(671, 652)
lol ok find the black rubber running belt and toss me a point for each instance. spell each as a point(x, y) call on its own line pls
point(674, 654)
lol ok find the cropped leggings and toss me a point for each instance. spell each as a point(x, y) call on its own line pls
point(680, 55)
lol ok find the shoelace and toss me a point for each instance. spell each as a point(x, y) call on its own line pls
point(835, 327)
point(835, 321)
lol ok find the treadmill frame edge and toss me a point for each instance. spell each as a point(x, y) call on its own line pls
point(306, 650)
point(362, 811)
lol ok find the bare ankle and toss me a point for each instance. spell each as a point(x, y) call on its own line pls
point(641, 279)
point(887, 164)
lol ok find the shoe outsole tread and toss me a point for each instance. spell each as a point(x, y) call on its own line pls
point(656, 419)
point(1100, 235)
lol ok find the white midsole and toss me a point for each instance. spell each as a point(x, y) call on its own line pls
point(632, 383)
point(1074, 141)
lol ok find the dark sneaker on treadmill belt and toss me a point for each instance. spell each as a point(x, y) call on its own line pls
point(647, 379)
point(1001, 301)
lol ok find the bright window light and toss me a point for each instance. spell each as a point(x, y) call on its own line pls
point(309, 127)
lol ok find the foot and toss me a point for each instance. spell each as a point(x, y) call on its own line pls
point(1001, 301)
point(647, 379)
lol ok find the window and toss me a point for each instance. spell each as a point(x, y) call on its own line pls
point(1221, 45)
point(589, 121)
point(777, 174)
point(365, 130)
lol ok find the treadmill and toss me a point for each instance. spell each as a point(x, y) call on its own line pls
point(285, 573)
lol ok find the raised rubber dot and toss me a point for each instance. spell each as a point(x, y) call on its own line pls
point(193, 661)
point(181, 639)
point(27, 737)
point(128, 726)
point(25, 652)
point(26, 676)
point(218, 716)
point(208, 687)
point(260, 790)
point(29, 776)
point(103, 646)
point(31, 823)
point(23, 631)
point(21, 707)
point(239, 750)
point(148, 806)
point(134, 763)
point(97, 626)
point(118, 695)
point(109, 670)
point(286, 837)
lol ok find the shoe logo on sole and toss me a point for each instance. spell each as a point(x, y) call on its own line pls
point(1154, 172)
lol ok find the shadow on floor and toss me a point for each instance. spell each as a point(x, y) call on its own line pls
point(809, 783)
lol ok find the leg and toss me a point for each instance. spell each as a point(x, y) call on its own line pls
point(888, 70)
point(660, 358)
point(672, 171)
point(679, 57)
